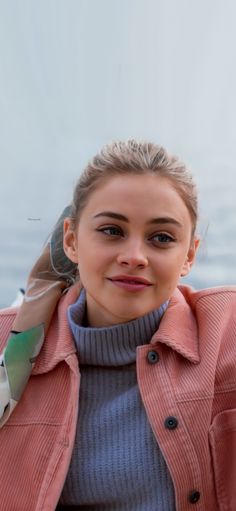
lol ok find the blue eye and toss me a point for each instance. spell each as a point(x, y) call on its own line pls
point(162, 238)
point(111, 231)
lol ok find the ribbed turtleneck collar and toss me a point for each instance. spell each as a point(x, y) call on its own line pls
point(115, 345)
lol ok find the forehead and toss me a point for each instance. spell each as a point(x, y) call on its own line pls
point(146, 194)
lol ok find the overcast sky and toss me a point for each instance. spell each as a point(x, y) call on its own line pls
point(77, 73)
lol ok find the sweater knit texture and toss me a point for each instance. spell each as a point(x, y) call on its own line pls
point(116, 463)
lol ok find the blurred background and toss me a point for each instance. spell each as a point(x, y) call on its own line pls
point(75, 74)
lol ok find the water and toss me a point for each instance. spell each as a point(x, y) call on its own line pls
point(216, 259)
point(29, 206)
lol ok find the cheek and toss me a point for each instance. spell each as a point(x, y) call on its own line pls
point(89, 266)
point(169, 269)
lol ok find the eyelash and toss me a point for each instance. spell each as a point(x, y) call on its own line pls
point(119, 233)
point(110, 228)
point(168, 238)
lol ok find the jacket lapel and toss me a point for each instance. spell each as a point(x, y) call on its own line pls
point(178, 328)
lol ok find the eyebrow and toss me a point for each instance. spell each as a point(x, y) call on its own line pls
point(158, 220)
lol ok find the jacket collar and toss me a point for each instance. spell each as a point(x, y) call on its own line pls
point(178, 327)
point(178, 330)
point(58, 344)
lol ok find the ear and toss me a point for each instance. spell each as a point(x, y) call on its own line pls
point(191, 256)
point(70, 240)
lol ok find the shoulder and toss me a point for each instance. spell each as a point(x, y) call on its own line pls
point(214, 310)
point(7, 317)
point(8, 312)
point(214, 297)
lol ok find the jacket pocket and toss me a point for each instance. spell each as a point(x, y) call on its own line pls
point(222, 436)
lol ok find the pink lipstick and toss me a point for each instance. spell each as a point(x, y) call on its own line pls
point(130, 282)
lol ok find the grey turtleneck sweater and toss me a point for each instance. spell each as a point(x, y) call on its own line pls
point(116, 463)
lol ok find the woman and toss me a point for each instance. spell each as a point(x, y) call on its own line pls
point(130, 404)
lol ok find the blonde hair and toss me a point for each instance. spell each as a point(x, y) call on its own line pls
point(133, 157)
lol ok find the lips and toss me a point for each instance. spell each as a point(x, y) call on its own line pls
point(130, 280)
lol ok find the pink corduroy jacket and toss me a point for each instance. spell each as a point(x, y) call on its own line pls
point(188, 390)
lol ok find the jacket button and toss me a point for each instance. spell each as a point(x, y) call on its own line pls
point(171, 423)
point(153, 357)
point(194, 496)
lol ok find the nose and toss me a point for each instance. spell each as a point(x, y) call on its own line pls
point(133, 256)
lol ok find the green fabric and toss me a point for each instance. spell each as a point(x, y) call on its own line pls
point(19, 357)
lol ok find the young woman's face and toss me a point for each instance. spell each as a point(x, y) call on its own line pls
point(132, 243)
